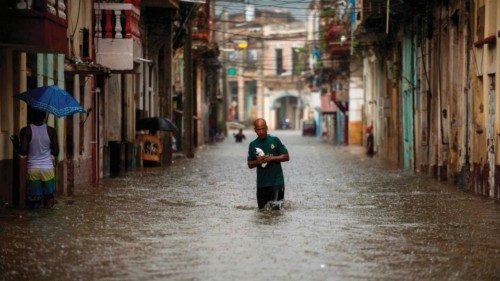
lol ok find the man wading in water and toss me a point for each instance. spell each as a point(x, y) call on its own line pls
point(266, 153)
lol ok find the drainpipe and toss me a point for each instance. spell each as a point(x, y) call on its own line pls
point(387, 17)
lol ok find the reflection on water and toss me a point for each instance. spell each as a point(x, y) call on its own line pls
point(345, 217)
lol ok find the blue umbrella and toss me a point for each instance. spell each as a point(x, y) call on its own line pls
point(51, 99)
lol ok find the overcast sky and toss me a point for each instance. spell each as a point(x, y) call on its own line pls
point(297, 7)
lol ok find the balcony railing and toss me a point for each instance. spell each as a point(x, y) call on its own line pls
point(54, 7)
point(117, 33)
point(337, 49)
point(201, 26)
point(34, 25)
point(117, 20)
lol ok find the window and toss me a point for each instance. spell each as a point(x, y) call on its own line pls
point(279, 61)
point(251, 58)
point(233, 90)
point(233, 55)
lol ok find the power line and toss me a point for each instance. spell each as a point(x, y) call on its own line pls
point(260, 65)
point(346, 9)
point(291, 37)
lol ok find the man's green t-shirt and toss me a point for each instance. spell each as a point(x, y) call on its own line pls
point(272, 174)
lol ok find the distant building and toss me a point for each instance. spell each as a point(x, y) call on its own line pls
point(265, 60)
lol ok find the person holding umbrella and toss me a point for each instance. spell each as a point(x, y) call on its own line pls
point(39, 143)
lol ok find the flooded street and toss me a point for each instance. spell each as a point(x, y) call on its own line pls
point(346, 217)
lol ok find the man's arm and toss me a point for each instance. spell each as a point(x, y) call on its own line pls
point(260, 160)
point(54, 144)
point(24, 139)
point(266, 159)
point(279, 158)
point(283, 154)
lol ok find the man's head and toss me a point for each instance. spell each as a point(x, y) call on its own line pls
point(260, 127)
point(37, 116)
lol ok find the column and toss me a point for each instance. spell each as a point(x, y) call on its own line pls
point(241, 95)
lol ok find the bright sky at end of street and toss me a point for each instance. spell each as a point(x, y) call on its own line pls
point(298, 8)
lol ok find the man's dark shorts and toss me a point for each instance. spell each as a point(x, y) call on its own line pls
point(266, 194)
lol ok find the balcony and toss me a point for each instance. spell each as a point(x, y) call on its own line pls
point(201, 26)
point(336, 36)
point(117, 34)
point(34, 26)
point(339, 50)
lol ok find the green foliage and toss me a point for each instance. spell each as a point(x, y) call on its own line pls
point(221, 126)
point(328, 13)
point(318, 64)
point(300, 60)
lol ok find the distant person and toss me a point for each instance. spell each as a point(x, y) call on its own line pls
point(266, 153)
point(39, 143)
point(370, 151)
point(239, 137)
point(219, 136)
point(285, 124)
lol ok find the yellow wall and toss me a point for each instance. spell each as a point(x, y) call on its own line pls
point(356, 133)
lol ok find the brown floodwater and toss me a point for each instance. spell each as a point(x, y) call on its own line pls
point(345, 217)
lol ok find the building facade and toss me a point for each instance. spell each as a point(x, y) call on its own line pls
point(123, 61)
point(264, 59)
point(430, 71)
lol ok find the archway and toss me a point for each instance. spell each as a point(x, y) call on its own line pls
point(288, 112)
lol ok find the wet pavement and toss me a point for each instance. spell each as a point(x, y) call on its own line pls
point(346, 217)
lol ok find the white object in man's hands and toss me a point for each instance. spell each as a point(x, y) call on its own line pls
point(260, 152)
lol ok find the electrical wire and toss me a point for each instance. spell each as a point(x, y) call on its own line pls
point(185, 21)
point(291, 37)
point(286, 6)
point(77, 19)
point(260, 64)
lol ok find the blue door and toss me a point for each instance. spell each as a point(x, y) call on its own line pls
point(407, 83)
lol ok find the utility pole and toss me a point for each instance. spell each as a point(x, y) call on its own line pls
point(225, 92)
point(188, 92)
point(260, 81)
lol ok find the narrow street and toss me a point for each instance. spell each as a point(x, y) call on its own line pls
point(346, 217)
